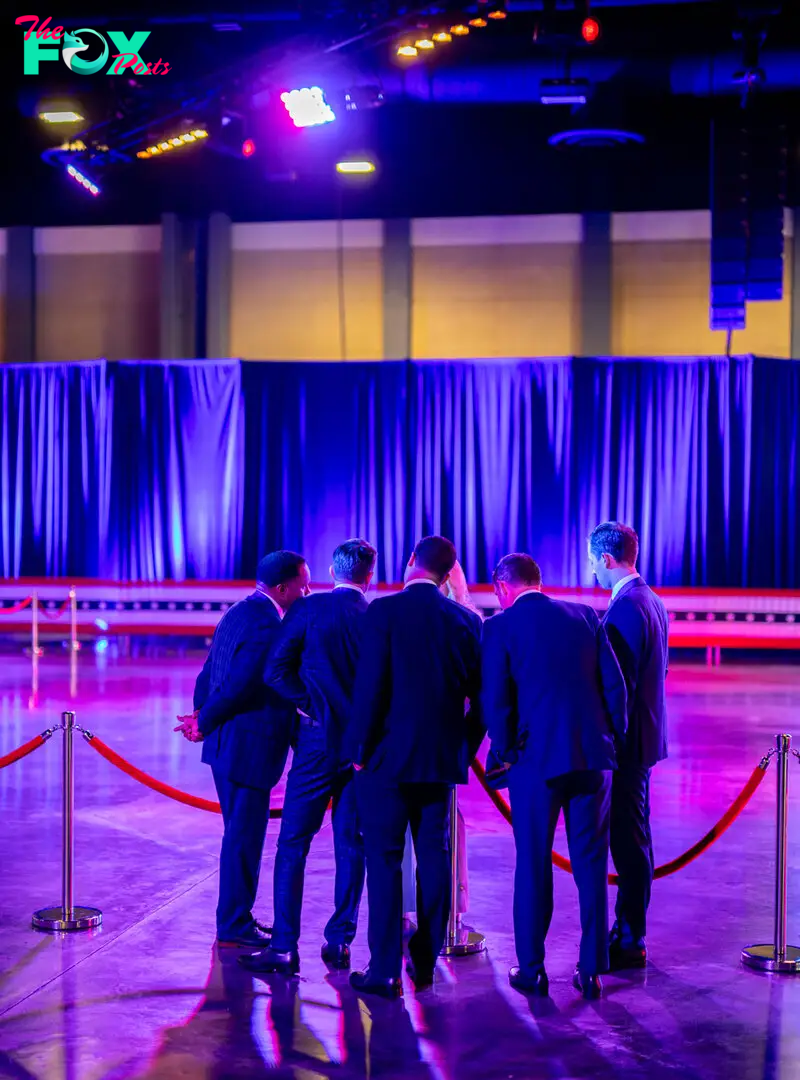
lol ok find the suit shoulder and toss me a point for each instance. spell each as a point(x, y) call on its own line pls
point(463, 616)
point(587, 611)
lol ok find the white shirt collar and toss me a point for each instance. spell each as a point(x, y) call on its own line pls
point(623, 582)
point(348, 585)
point(526, 592)
point(421, 581)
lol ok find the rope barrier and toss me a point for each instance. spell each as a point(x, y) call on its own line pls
point(25, 749)
point(713, 834)
point(54, 615)
point(17, 607)
point(158, 785)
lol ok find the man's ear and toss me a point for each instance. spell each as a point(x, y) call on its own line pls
point(330, 571)
point(412, 560)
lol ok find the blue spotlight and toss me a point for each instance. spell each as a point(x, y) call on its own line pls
point(308, 107)
point(101, 645)
point(101, 624)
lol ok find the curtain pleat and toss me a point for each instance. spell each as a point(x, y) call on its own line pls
point(193, 469)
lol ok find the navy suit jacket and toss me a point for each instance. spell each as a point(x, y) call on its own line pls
point(553, 693)
point(246, 727)
point(637, 625)
point(313, 661)
point(419, 665)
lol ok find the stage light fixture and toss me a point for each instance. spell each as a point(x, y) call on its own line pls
point(308, 107)
point(459, 30)
point(173, 143)
point(478, 21)
point(84, 181)
point(355, 168)
point(359, 98)
point(406, 50)
point(590, 30)
point(497, 11)
point(425, 44)
point(248, 148)
point(442, 37)
point(62, 117)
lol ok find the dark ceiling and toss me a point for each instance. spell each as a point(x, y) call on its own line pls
point(460, 132)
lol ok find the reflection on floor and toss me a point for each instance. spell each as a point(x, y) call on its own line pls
point(137, 998)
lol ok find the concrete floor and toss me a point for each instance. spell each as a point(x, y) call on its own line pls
point(148, 995)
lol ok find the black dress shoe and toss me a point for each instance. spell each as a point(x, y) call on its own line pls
point(590, 986)
point(336, 956)
point(270, 961)
point(364, 983)
point(264, 928)
point(422, 977)
point(621, 958)
point(254, 938)
point(538, 985)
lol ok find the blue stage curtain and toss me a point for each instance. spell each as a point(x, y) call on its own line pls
point(176, 471)
point(53, 427)
point(194, 469)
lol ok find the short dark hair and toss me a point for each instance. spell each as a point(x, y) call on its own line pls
point(615, 539)
point(518, 569)
point(354, 560)
point(436, 555)
point(278, 568)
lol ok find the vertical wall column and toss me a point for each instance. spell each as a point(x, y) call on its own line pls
point(20, 313)
point(595, 286)
point(178, 288)
point(794, 345)
point(218, 287)
point(397, 279)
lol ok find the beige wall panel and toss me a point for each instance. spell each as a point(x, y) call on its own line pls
point(98, 305)
point(660, 304)
point(495, 300)
point(285, 305)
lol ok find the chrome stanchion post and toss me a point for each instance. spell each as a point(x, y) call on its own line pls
point(74, 644)
point(73, 620)
point(779, 956)
point(67, 916)
point(461, 940)
point(35, 648)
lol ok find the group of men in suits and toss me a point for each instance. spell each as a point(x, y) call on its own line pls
point(386, 704)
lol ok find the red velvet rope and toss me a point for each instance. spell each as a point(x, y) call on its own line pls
point(22, 751)
point(158, 785)
point(53, 615)
point(17, 607)
point(714, 833)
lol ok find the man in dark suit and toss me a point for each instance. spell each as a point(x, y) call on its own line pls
point(554, 703)
point(412, 739)
point(245, 728)
point(313, 665)
point(638, 628)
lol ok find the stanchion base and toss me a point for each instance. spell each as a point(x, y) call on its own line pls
point(763, 958)
point(83, 918)
point(466, 942)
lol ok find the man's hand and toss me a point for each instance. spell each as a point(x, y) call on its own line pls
point(457, 582)
point(188, 727)
point(358, 768)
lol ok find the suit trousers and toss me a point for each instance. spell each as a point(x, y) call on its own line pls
point(387, 808)
point(245, 813)
point(632, 852)
point(585, 798)
point(314, 779)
